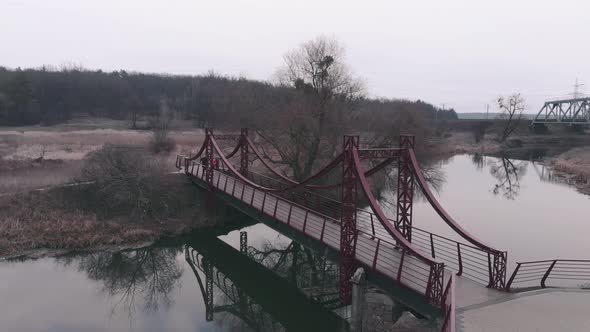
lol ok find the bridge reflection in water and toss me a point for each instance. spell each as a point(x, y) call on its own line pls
point(278, 288)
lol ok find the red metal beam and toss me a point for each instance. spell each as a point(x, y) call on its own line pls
point(379, 153)
point(235, 138)
point(209, 154)
point(244, 149)
point(405, 188)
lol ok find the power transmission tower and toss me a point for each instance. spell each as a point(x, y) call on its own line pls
point(577, 87)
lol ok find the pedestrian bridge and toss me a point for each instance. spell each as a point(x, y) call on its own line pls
point(336, 208)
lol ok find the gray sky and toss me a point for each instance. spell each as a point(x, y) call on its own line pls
point(462, 53)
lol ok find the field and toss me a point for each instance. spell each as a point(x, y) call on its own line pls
point(37, 157)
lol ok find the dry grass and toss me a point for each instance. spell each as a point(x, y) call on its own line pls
point(463, 142)
point(33, 221)
point(73, 141)
point(575, 162)
point(76, 145)
point(23, 175)
point(63, 146)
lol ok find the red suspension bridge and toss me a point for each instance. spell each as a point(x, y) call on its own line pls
point(352, 221)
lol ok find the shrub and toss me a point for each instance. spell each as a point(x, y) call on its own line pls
point(160, 124)
point(127, 181)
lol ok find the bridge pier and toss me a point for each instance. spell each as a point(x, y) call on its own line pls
point(358, 300)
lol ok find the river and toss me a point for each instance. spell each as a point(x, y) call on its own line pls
point(511, 204)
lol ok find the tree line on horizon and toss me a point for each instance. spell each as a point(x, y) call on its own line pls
point(49, 96)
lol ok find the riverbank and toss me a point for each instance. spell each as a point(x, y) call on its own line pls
point(566, 153)
point(60, 218)
point(574, 165)
point(522, 146)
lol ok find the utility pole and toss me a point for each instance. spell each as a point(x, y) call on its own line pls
point(577, 87)
point(436, 112)
point(487, 111)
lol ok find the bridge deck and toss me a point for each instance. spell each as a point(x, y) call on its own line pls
point(373, 252)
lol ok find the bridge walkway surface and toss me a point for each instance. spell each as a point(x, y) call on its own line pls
point(480, 309)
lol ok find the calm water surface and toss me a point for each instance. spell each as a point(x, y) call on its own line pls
point(506, 203)
point(517, 208)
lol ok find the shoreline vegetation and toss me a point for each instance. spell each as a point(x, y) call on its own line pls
point(59, 218)
point(101, 195)
point(574, 166)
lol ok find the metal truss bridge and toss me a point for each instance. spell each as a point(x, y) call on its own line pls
point(336, 209)
point(575, 111)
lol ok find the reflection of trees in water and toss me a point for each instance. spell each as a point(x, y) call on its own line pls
point(226, 304)
point(233, 309)
point(507, 173)
point(479, 161)
point(302, 266)
point(141, 278)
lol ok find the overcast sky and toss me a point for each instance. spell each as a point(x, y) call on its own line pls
point(461, 53)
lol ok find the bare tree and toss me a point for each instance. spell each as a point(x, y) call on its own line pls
point(326, 87)
point(127, 182)
point(160, 125)
point(511, 108)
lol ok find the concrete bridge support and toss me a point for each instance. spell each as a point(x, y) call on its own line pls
point(359, 286)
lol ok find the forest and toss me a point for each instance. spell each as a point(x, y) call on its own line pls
point(49, 95)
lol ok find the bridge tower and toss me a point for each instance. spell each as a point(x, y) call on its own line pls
point(405, 187)
point(209, 155)
point(244, 151)
point(348, 220)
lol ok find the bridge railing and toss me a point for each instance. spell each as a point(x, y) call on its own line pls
point(464, 259)
point(449, 307)
point(570, 272)
point(407, 270)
